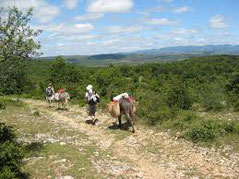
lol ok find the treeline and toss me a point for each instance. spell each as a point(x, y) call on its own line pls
point(205, 83)
point(170, 94)
point(208, 83)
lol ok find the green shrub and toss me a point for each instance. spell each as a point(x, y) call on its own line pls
point(178, 97)
point(6, 173)
point(213, 98)
point(11, 153)
point(2, 104)
point(209, 130)
point(183, 121)
point(236, 106)
point(180, 122)
point(163, 113)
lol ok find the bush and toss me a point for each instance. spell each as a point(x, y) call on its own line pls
point(183, 121)
point(209, 130)
point(163, 114)
point(6, 173)
point(2, 104)
point(236, 106)
point(213, 98)
point(11, 153)
point(178, 97)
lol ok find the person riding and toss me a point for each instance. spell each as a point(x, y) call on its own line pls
point(92, 98)
point(49, 93)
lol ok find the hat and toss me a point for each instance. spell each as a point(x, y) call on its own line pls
point(50, 84)
point(89, 87)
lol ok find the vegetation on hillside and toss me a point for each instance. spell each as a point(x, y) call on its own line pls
point(169, 94)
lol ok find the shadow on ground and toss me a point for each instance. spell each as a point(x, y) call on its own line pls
point(91, 121)
point(115, 126)
point(33, 149)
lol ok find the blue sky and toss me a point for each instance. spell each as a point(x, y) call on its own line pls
point(85, 27)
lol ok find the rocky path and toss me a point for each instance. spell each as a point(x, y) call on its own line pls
point(146, 153)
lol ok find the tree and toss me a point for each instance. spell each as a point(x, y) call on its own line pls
point(178, 96)
point(17, 43)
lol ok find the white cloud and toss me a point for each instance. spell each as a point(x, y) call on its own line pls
point(120, 29)
point(181, 10)
point(110, 6)
point(70, 4)
point(182, 31)
point(43, 11)
point(46, 14)
point(65, 29)
point(86, 26)
point(90, 16)
point(218, 21)
point(161, 21)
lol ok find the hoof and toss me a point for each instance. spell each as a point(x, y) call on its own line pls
point(94, 121)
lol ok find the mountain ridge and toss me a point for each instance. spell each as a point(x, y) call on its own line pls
point(150, 55)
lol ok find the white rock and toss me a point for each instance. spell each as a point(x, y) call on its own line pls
point(65, 177)
point(62, 143)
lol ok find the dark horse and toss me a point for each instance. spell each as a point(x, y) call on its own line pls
point(126, 108)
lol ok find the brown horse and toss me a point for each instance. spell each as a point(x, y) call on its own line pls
point(127, 108)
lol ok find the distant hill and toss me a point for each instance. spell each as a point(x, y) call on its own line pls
point(151, 55)
point(206, 49)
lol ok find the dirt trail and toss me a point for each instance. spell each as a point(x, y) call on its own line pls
point(147, 153)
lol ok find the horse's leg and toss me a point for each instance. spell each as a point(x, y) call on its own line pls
point(63, 105)
point(119, 119)
point(129, 120)
point(132, 116)
point(66, 104)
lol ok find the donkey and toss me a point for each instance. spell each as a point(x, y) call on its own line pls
point(127, 108)
point(62, 100)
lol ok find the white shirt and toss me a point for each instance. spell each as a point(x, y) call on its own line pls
point(91, 95)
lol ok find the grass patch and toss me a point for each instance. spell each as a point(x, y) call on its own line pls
point(121, 134)
point(6, 101)
point(182, 122)
point(55, 160)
